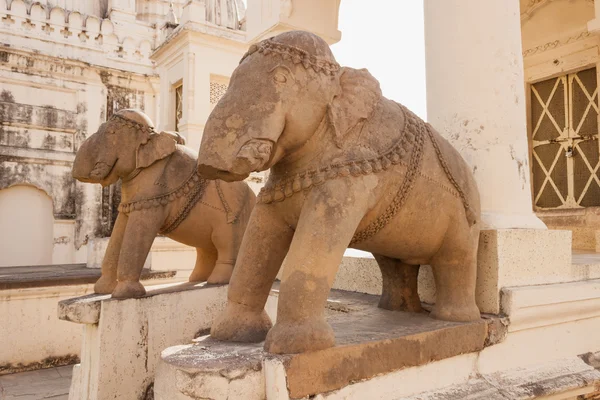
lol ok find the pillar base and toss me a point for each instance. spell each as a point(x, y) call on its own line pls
point(493, 220)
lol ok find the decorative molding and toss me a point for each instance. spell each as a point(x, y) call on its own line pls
point(535, 5)
point(72, 28)
point(556, 43)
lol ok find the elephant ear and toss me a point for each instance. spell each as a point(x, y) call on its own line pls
point(359, 94)
point(157, 147)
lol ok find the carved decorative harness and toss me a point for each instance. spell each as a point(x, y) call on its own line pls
point(407, 151)
point(192, 188)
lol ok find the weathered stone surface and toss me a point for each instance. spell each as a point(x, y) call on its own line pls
point(60, 275)
point(211, 369)
point(348, 168)
point(565, 379)
point(161, 193)
point(121, 351)
point(370, 342)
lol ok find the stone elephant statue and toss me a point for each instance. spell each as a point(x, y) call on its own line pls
point(349, 167)
point(161, 193)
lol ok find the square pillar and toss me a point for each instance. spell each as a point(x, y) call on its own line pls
point(476, 100)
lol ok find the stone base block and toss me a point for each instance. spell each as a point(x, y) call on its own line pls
point(123, 339)
point(370, 341)
point(227, 372)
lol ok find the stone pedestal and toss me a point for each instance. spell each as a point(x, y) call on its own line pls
point(370, 342)
point(394, 355)
point(123, 339)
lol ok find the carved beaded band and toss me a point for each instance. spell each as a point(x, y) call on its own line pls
point(132, 124)
point(295, 55)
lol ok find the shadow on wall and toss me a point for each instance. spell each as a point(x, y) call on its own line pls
point(26, 226)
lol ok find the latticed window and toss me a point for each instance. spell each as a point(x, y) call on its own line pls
point(178, 106)
point(566, 154)
point(218, 87)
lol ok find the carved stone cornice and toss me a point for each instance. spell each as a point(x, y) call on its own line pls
point(535, 5)
point(556, 43)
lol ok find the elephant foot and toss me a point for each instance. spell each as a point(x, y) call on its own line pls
point(128, 289)
point(239, 323)
point(105, 285)
point(221, 274)
point(300, 337)
point(456, 314)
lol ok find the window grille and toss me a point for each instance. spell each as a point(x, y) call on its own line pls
point(217, 90)
point(564, 134)
point(178, 106)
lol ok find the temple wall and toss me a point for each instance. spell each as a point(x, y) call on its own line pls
point(61, 75)
point(557, 42)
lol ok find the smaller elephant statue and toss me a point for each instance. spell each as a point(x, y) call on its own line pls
point(161, 193)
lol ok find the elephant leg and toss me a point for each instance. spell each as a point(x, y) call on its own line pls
point(323, 233)
point(205, 263)
point(108, 280)
point(264, 246)
point(399, 290)
point(455, 274)
point(227, 244)
point(142, 227)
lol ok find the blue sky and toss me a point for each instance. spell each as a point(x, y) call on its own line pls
point(386, 37)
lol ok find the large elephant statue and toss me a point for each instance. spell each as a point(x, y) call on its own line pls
point(349, 167)
point(162, 193)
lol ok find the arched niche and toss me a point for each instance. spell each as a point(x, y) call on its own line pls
point(26, 226)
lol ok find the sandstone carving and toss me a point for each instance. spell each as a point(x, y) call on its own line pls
point(161, 193)
point(348, 168)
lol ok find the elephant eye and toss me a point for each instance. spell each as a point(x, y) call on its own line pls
point(281, 78)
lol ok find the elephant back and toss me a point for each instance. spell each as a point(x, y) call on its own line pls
point(459, 174)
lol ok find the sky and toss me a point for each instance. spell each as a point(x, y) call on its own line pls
point(387, 38)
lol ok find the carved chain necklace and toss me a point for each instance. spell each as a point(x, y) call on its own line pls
point(407, 151)
point(192, 189)
point(279, 189)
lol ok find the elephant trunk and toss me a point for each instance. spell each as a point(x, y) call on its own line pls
point(87, 168)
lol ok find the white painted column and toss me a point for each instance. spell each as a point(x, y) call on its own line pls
point(476, 99)
point(594, 25)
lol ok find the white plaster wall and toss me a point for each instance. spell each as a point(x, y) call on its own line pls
point(26, 227)
point(31, 331)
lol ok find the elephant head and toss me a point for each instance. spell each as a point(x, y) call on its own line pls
point(126, 143)
point(284, 90)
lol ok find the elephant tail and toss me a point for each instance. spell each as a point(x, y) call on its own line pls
point(457, 176)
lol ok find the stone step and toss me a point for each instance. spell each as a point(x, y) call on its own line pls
point(370, 341)
point(560, 380)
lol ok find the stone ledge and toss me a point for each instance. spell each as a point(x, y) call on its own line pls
point(60, 275)
point(544, 305)
point(370, 341)
point(86, 309)
point(123, 339)
point(567, 378)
